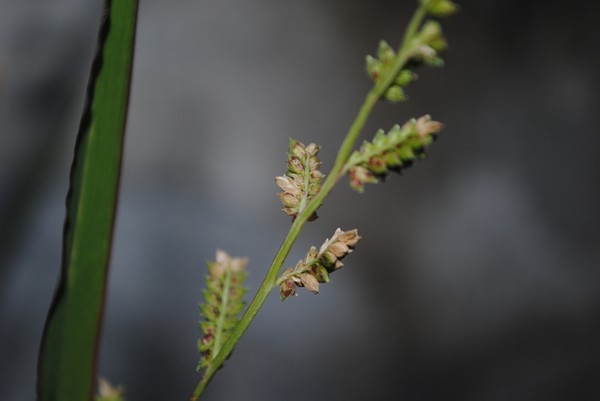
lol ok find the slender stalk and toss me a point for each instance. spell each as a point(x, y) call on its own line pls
point(222, 311)
point(404, 53)
point(304, 199)
point(414, 24)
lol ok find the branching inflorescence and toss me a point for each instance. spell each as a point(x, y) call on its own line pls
point(304, 188)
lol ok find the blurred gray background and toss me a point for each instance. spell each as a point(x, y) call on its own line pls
point(477, 276)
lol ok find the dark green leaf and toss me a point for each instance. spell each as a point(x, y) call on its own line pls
point(67, 363)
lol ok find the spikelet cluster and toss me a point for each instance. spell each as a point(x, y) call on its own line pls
point(378, 68)
point(392, 151)
point(318, 264)
point(302, 179)
point(223, 297)
point(424, 48)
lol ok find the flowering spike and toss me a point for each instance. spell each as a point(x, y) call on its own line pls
point(224, 302)
point(394, 151)
point(303, 179)
point(317, 265)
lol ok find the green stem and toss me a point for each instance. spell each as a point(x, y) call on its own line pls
point(403, 55)
point(222, 313)
point(414, 24)
point(305, 195)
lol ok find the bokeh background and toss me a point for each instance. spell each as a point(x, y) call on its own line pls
point(477, 276)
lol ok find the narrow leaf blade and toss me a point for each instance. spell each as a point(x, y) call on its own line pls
point(67, 360)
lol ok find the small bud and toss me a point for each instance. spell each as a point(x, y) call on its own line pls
point(288, 185)
point(405, 77)
point(428, 55)
point(359, 176)
point(425, 126)
point(287, 289)
point(223, 262)
point(290, 211)
point(385, 53)
point(314, 163)
point(206, 343)
point(392, 160)
point(425, 51)
point(350, 238)
point(406, 153)
point(373, 68)
point(295, 165)
point(297, 149)
point(439, 44)
point(288, 199)
point(313, 188)
point(339, 249)
point(310, 282)
point(328, 260)
point(106, 392)
point(442, 8)
point(395, 93)
point(320, 273)
point(377, 165)
point(312, 149)
point(316, 175)
point(431, 30)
